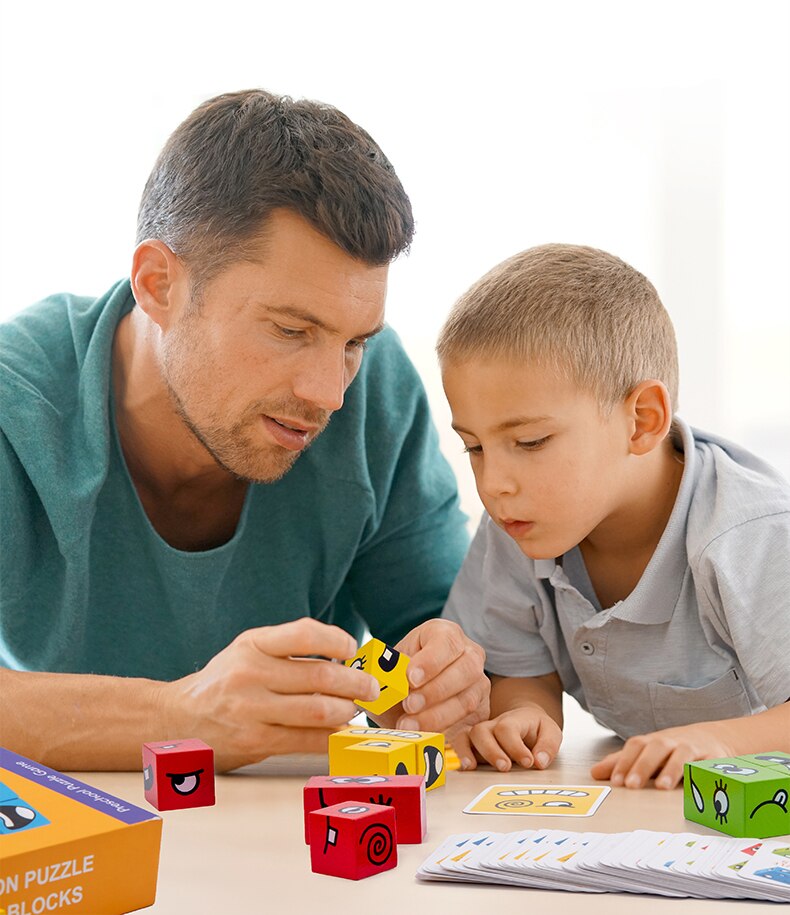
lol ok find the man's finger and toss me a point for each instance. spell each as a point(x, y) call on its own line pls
point(306, 711)
point(444, 715)
point(464, 672)
point(301, 637)
point(302, 675)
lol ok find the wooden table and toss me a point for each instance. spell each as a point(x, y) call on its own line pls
point(247, 856)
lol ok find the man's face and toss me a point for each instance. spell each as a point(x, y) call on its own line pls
point(548, 466)
point(257, 366)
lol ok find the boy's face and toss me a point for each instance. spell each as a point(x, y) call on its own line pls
point(549, 466)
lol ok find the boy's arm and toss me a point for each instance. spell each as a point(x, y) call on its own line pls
point(663, 753)
point(510, 693)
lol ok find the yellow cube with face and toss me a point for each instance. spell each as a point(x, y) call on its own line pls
point(427, 748)
point(373, 757)
point(388, 666)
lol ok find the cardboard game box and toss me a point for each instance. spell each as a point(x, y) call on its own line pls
point(67, 847)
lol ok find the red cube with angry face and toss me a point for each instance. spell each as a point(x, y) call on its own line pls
point(178, 774)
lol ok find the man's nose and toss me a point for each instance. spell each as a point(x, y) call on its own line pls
point(323, 380)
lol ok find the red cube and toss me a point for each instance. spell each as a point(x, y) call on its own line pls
point(406, 793)
point(353, 840)
point(178, 774)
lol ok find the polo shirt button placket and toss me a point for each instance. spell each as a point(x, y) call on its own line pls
point(587, 648)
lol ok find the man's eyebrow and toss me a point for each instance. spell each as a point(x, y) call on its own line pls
point(510, 423)
point(301, 314)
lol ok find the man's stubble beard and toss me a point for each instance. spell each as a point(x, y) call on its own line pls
point(232, 449)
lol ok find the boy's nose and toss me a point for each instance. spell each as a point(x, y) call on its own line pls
point(495, 480)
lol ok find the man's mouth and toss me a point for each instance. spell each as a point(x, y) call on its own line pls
point(291, 434)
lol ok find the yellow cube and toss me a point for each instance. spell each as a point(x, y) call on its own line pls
point(374, 757)
point(388, 666)
point(427, 749)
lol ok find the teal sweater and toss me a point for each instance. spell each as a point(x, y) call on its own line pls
point(365, 529)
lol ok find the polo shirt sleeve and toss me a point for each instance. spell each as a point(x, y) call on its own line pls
point(745, 599)
point(496, 600)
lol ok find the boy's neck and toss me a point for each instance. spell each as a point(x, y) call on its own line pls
point(618, 551)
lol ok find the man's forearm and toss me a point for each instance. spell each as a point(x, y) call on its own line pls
point(508, 693)
point(79, 721)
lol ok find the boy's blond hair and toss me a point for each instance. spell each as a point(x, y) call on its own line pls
point(578, 310)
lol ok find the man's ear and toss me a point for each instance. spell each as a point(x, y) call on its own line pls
point(649, 410)
point(159, 282)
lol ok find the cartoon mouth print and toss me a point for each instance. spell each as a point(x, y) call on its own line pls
point(730, 769)
point(778, 800)
point(520, 801)
point(359, 779)
point(776, 760)
point(16, 816)
point(185, 782)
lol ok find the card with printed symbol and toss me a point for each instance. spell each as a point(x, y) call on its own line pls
point(539, 800)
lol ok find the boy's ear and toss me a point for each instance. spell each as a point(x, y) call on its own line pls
point(650, 413)
point(159, 282)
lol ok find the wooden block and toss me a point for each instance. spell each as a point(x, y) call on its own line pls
point(353, 840)
point(388, 666)
point(178, 774)
point(741, 796)
point(406, 793)
point(428, 748)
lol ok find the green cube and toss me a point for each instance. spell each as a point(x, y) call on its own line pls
point(741, 795)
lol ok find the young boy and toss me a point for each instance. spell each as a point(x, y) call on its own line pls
point(638, 564)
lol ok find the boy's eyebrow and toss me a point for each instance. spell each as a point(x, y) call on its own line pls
point(510, 423)
point(301, 314)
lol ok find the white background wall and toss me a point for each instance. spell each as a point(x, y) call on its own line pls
point(657, 130)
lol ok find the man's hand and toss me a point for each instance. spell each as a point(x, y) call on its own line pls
point(528, 736)
point(447, 684)
point(262, 696)
point(663, 753)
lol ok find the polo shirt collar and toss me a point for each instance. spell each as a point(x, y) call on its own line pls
point(657, 593)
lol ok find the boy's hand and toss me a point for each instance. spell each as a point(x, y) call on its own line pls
point(663, 753)
point(528, 736)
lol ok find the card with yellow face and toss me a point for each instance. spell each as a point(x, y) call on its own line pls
point(540, 800)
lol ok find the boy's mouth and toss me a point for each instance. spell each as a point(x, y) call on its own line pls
point(516, 529)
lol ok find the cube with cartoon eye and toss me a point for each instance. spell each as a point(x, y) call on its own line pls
point(741, 795)
point(178, 774)
point(380, 751)
point(353, 839)
point(388, 666)
point(406, 793)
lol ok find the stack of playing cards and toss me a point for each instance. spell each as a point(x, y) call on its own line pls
point(669, 864)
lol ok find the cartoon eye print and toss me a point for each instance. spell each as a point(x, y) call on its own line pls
point(730, 769)
point(721, 802)
point(556, 804)
point(696, 795)
point(434, 765)
point(185, 782)
point(331, 836)
point(359, 779)
point(389, 659)
point(515, 804)
point(377, 743)
point(148, 777)
point(777, 760)
point(381, 799)
point(778, 800)
point(353, 810)
point(16, 816)
point(359, 663)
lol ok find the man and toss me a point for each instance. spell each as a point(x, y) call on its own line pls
point(185, 534)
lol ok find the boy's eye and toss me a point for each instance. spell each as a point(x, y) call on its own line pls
point(473, 449)
point(534, 445)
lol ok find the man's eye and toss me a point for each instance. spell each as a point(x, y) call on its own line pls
point(356, 344)
point(290, 333)
point(534, 445)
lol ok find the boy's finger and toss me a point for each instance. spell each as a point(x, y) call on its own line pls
point(486, 745)
point(602, 770)
point(509, 737)
point(672, 773)
point(463, 748)
point(546, 746)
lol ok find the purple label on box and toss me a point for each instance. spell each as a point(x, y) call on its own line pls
point(70, 787)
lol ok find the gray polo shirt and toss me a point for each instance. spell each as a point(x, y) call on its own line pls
point(704, 635)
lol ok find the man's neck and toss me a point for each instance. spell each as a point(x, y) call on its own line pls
point(190, 500)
